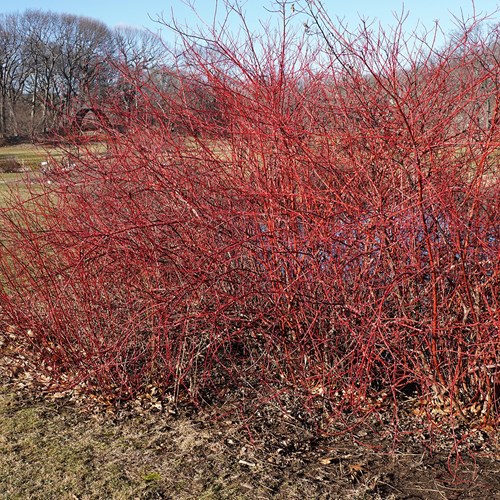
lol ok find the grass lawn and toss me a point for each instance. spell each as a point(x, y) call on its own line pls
point(61, 448)
point(28, 155)
point(6, 182)
point(14, 182)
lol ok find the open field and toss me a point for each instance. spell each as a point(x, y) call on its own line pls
point(10, 178)
point(16, 182)
point(6, 183)
point(28, 156)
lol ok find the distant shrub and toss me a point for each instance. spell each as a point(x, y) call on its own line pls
point(10, 165)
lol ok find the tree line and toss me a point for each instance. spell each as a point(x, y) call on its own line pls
point(53, 65)
point(51, 61)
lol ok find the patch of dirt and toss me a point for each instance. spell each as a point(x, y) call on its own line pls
point(61, 448)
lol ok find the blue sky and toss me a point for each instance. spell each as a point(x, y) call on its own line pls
point(138, 12)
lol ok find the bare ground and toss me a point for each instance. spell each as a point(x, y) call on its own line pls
point(59, 448)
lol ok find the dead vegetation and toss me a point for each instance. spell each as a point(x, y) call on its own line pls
point(60, 447)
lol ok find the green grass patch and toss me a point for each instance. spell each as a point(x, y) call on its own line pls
point(15, 183)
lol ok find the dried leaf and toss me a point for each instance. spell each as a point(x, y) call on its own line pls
point(355, 468)
point(244, 462)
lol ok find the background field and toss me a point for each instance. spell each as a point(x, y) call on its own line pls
point(29, 156)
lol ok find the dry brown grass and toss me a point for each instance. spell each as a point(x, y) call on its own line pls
point(29, 155)
point(68, 449)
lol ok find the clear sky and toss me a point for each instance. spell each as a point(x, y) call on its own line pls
point(138, 12)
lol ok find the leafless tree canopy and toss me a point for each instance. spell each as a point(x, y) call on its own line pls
point(49, 62)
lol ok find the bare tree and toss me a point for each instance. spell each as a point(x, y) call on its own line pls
point(137, 48)
point(40, 59)
point(13, 71)
point(84, 46)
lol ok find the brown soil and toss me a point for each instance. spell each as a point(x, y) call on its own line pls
point(62, 447)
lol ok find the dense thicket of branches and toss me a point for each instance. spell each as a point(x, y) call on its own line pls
point(49, 61)
point(310, 221)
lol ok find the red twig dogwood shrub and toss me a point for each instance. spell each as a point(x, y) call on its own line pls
point(288, 219)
